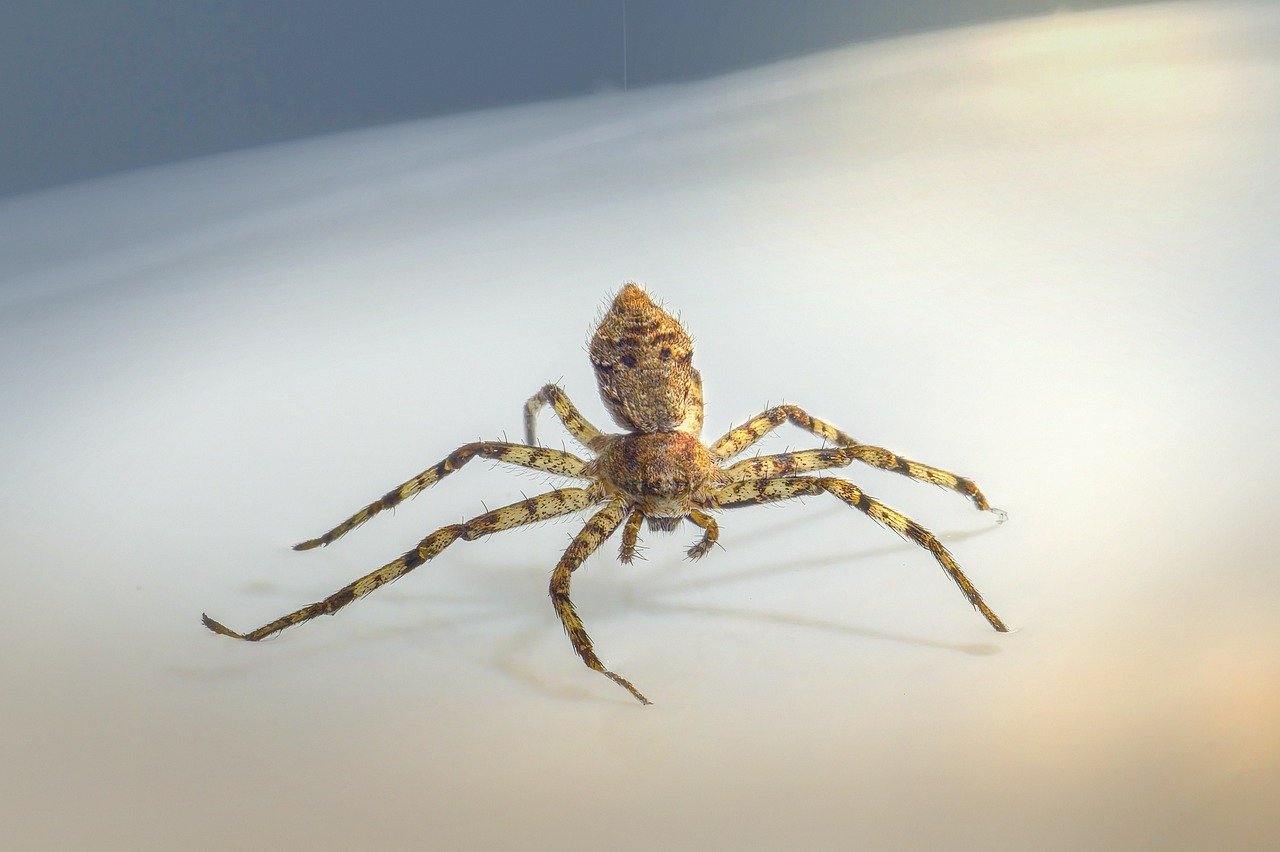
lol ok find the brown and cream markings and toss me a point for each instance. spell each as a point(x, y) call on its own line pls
point(657, 471)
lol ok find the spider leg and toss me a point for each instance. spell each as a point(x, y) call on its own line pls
point(598, 528)
point(568, 413)
point(694, 406)
point(537, 458)
point(752, 491)
point(748, 434)
point(630, 534)
point(548, 505)
point(738, 439)
point(710, 533)
point(785, 464)
point(888, 460)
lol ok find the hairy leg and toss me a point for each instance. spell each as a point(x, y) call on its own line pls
point(537, 458)
point(785, 464)
point(710, 533)
point(751, 492)
point(748, 434)
point(693, 407)
point(549, 505)
point(630, 534)
point(568, 413)
point(599, 528)
point(744, 436)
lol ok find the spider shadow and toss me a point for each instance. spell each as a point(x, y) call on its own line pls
point(653, 599)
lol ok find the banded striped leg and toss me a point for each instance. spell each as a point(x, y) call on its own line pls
point(538, 458)
point(752, 491)
point(746, 435)
point(599, 528)
point(568, 413)
point(549, 505)
point(785, 464)
point(710, 533)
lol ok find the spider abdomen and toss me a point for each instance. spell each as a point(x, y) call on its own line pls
point(643, 360)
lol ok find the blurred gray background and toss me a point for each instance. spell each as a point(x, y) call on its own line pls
point(87, 89)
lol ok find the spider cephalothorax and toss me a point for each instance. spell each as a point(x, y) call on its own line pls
point(658, 471)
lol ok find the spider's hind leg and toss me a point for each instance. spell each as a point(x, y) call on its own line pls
point(552, 395)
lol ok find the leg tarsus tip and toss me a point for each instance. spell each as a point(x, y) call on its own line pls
point(219, 628)
point(625, 684)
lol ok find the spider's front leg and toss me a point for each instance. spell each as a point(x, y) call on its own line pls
point(740, 438)
point(568, 413)
point(753, 491)
point(599, 528)
point(786, 464)
point(537, 458)
point(552, 504)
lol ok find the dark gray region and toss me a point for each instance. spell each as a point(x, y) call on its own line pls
point(88, 89)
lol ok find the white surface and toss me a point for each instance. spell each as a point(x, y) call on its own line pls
point(1042, 254)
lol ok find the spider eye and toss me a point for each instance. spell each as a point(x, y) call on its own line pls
point(628, 361)
point(665, 354)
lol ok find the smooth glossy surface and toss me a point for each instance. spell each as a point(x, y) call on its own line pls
point(1039, 254)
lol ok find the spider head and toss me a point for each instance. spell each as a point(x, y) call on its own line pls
point(664, 474)
point(643, 360)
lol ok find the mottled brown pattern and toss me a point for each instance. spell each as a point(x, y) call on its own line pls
point(643, 363)
point(658, 471)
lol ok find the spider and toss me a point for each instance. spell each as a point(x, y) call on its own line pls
point(657, 472)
